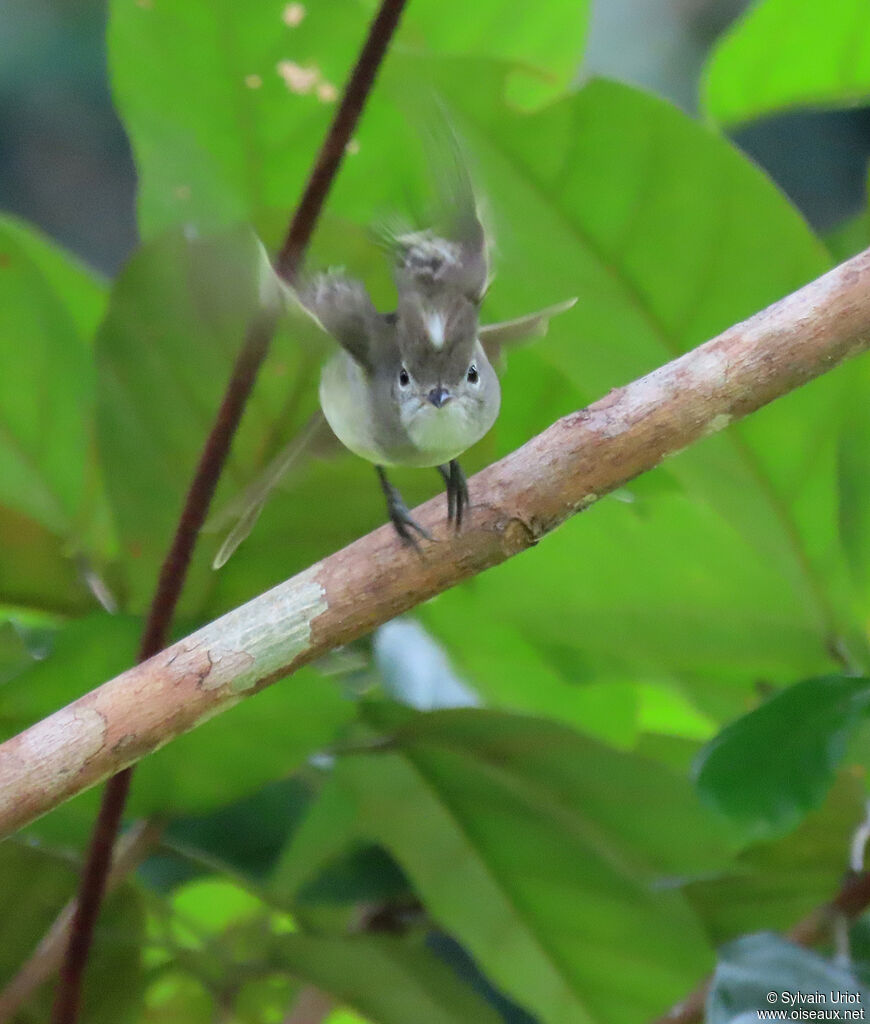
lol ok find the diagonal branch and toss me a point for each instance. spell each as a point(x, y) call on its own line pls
point(517, 500)
point(174, 569)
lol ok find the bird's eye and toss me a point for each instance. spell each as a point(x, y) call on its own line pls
point(404, 378)
point(473, 376)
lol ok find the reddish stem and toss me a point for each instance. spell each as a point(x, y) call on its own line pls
point(174, 569)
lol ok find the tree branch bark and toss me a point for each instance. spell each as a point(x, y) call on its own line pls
point(516, 501)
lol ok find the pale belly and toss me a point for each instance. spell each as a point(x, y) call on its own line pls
point(434, 437)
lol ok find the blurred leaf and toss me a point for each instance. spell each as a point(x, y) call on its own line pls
point(261, 90)
point(850, 237)
point(176, 319)
point(34, 886)
point(265, 737)
point(212, 904)
point(14, 656)
point(35, 570)
point(776, 884)
point(781, 55)
point(48, 306)
point(244, 837)
point(254, 107)
point(78, 287)
point(754, 967)
point(472, 804)
point(175, 997)
point(767, 769)
point(854, 484)
point(383, 978)
point(364, 874)
point(551, 41)
point(86, 653)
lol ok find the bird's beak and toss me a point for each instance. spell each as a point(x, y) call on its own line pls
point(439, 396)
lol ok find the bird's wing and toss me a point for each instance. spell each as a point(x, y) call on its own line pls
point(533, 325)
point(340, 306)
point(453, 252)
point(314, 438)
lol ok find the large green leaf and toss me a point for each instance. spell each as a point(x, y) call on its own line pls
point(539, 850)
point(48, 307)
point(259, 87)
point(177, 317)
point(550, 41)
point(245, 135)
point(767, 769)
point(781, 54)
point(84, 653)
point(384, 978)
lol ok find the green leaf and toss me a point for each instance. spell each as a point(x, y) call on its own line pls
point(755, 967)
point(767, 769)
point(849, 237)
point(48, 306)
point(854, 484)
point(781, 55)
point(775, 884)
point(472, 804)
point(253, 114)
point(265, 737)
point(384, 978)
point(85, 653)
point(177, 317)
point(14, 655)
point(550, 42)
point(260, 84)
point(36, 572)
point(79, 288)
point(34, 886)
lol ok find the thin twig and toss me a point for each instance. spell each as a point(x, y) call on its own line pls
point(311, 1006)
point(174, 569)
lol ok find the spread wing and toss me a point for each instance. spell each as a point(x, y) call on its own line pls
point(342, 308)
point(454, 252)
point(314, 437)
point(533, 325)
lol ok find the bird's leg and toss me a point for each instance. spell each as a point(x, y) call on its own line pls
point(451, 495)
point(398, 512)
point(457, 491)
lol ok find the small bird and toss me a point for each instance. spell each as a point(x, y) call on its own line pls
point(416, 386)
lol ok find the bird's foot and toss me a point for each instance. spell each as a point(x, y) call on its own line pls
point(457, 491)
point(402, 520)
